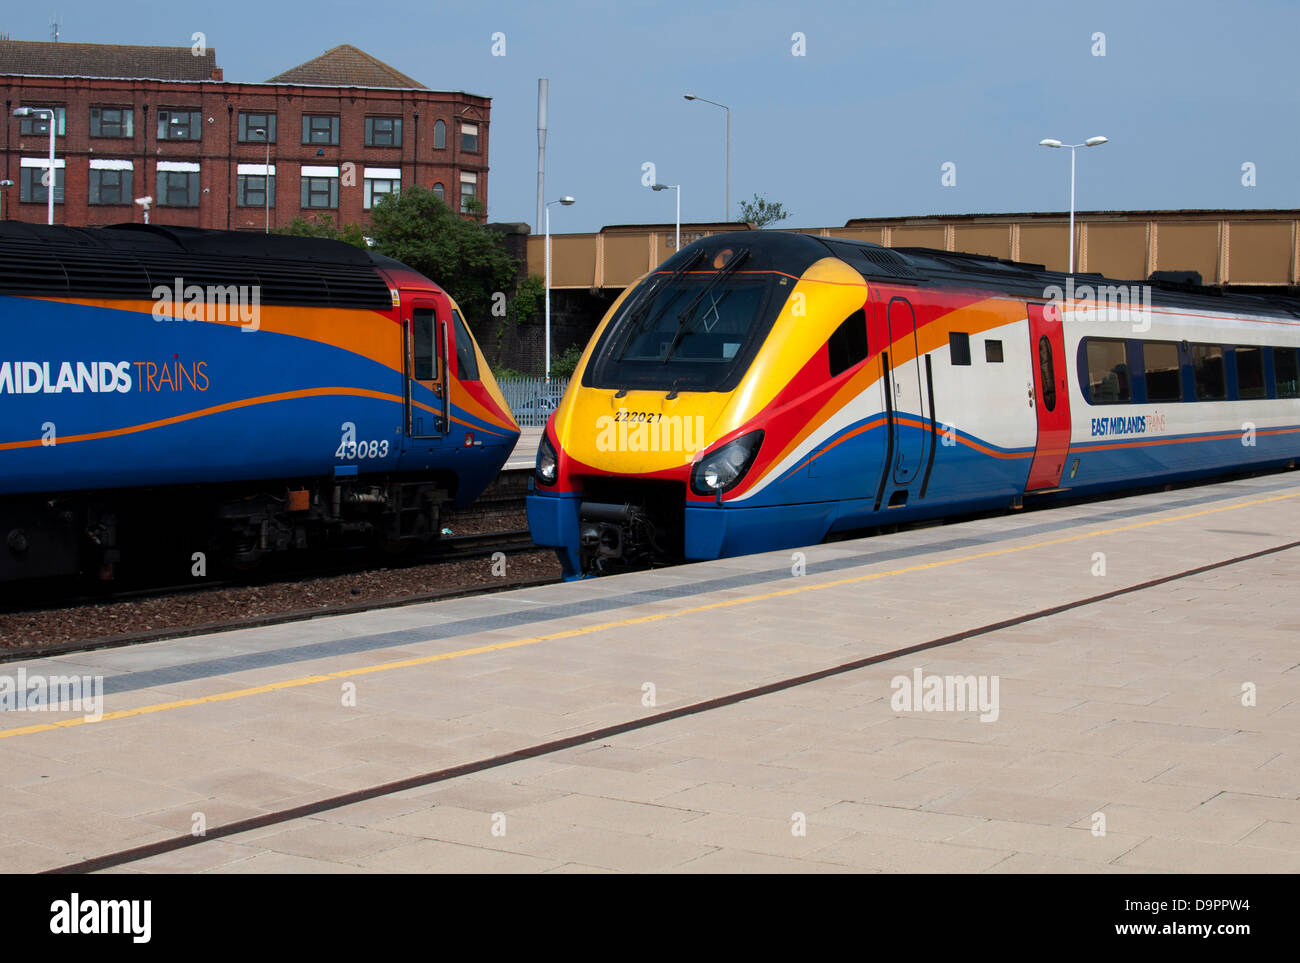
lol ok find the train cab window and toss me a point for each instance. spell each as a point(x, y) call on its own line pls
point(1109, 382)
point(1286, 365)
point(1250, 373)
point(1047, 372)
point(466, 362)
point(1164, 372)
point(848, 345)
point(993, 351)
point(959, 347)
point(423, 328)
point(1207, 365)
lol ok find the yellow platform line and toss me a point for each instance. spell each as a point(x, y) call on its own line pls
point(621, 623)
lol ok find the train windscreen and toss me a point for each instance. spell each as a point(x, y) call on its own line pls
point(688, 331)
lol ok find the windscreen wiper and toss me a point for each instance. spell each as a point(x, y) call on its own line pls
point(636, 314)
point(688, 312)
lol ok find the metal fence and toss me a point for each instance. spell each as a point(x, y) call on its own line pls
point(531, 399)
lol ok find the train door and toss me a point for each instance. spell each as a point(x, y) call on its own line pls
point(427, 413)
point(908, 427)
point(1051, 398)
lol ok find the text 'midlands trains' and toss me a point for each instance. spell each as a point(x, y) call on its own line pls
point(268, 392)
point(761, 390)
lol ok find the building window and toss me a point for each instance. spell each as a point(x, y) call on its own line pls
point(178, 185)
point(468, 190)
point(1250, 373)
point(378, 187)
point(320, 128)
point(1164, 372)
point(180, 125)
point(469, 137)
point(320, 191)
point(1286, 365)
point(959, 347)
point(32, 187)
point(383, 132)
point(252, 190)
point(440, 192)
point(111, 122)
point(1108, 375)
point(111, 185)
point(440, 136)
point(40, 125)
point(251, 124)
point(1207, 366)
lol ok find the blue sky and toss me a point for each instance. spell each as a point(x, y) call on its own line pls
point(885, 94)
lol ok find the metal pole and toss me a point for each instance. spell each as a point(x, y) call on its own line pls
point(547, 366)
point(727, 218)
point(1073, 150)
point(266, 183)
point(678, 243)
point(54, 174)
point(543, 86)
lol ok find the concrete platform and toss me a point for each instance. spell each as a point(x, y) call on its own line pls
point(1150, 727)
point(525, 453)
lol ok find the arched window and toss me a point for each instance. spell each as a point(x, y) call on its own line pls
point(439, 136)
point(439, 191)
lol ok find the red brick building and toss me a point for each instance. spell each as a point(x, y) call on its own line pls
point(342, 130)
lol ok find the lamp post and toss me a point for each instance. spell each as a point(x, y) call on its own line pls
point(1090, 142)
point(4, 187)
point(566, 200)
point(678, 188)
point(266, 175)
point(726, 211)
point(54, 177)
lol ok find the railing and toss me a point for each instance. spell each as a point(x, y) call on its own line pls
point(532, 400)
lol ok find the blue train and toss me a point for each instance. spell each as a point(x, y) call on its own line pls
point(253, 392)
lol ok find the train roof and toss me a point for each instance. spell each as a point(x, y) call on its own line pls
point(793, 253)
point(128, 261)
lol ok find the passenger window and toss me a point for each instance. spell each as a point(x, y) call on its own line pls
point(1047, 372)
point(1250, 373)
point(466, 361)
point(1207, 364)
point(959, 347)
point(993, 351)
point(1163, 370)
point(1286, 366)
point(848, 345)
point(1108, 375)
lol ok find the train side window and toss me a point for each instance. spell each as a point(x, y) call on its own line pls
point(1164, 371)
point(1250, 372)
point(1286, 365)
point(959, 347)
point(993, 351)
point(466, 362)
point(1207, 366)
point(848, 345)
point(1047, 372)
point(1109, 382)
point(422, 328)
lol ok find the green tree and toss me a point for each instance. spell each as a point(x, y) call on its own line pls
point(761, 212)
point(563, 364)
point(461, 255)
point(528, 300)
point(322, 225)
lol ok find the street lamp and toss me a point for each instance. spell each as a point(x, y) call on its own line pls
point(49, 112)
point(566, 200)
point(726, 211)
point(266, 175)
point(1090, 142)
point(4, 186)
point(678, 189)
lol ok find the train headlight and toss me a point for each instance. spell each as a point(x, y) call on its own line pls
point(547, 463)
point(722, 470)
